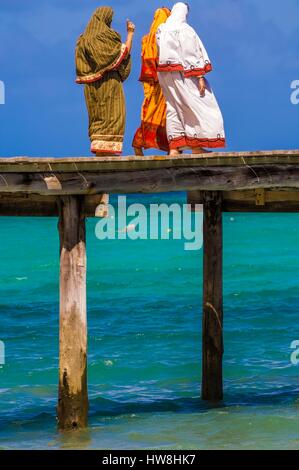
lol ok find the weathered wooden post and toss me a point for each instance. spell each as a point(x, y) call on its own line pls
point(73, 395)
point(212, 334)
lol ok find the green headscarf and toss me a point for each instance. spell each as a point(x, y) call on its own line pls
point(98, 48)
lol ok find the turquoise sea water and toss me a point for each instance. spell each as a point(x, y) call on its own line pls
point(144, 314)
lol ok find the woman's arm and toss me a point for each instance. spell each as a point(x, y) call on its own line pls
point(202, 86)
point(131, 31)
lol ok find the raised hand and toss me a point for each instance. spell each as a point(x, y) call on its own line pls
point(130, 26)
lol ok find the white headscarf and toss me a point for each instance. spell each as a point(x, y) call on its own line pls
point(180, 48)
point(178, 16)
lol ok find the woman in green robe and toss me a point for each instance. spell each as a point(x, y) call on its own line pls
point(103, 62)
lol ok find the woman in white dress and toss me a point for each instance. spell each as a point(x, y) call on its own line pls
point(194, 119)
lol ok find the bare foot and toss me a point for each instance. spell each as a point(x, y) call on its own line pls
point(138, 152)
point(174, 153)
point(199, 150)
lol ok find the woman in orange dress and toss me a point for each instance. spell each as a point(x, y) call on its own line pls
point(152, 131)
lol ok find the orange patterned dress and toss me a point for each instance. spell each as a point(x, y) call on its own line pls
point(152, 131)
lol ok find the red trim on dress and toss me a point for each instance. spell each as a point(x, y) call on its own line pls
point(170, 68)
point(100, 75)
point(196, 72)
point(177, 142)
point(121, 58)
point(193, 142)
point(106, 152)
point(218, 142)
point(90, 80)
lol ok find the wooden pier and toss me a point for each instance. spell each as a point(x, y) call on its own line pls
point(72, 188)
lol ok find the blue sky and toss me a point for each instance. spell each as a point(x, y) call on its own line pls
point(253, 45)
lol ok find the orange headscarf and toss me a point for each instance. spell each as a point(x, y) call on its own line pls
point(150, 49)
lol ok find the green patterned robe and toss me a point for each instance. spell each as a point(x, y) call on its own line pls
point(103, 63)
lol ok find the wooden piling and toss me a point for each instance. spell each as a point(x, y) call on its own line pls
point(259, 181)
point(73, 396)
point(212, 331)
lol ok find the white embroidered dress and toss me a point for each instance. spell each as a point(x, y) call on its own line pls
point(192, 120)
